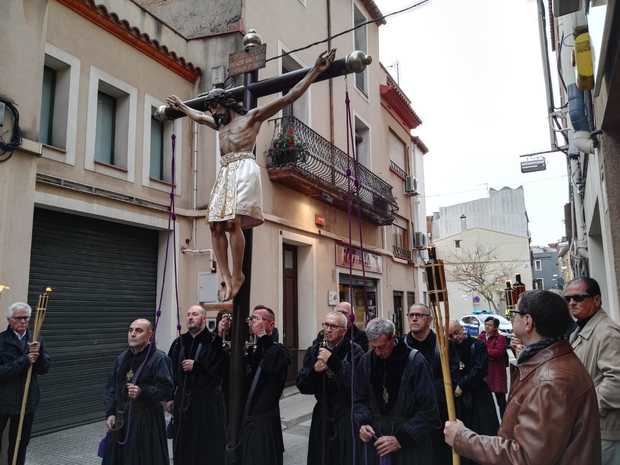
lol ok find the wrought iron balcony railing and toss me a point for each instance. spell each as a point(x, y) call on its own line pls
point(402, 253)
point(305, 161)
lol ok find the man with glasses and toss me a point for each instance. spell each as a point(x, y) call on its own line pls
point(326, 373)
point(395, 409)
point(421, 337)
point(358, 335)
point(596, 341)
point(17, 353)
point(261, 432)
point(552, 414)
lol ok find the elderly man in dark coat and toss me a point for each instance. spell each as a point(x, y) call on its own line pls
point(395, 408)
point(17, 353)
point(326, 373)
point(141, 380)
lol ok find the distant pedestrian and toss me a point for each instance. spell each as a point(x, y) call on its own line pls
point(552, 416)
point(497, 377)
point(596, 341)
point(140, 382)
point(395, 409)
point(473, 399)
point(474, 403)
point(17, 353)
point(326, 373)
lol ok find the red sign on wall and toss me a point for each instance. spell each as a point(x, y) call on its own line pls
point(346, 257)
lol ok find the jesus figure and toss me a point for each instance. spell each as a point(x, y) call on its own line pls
point(236, 198)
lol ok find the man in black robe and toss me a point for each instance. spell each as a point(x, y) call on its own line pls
point(395, 409)
point(474, 402)
point(421, 337)
point(140, 382)
point(326, 373)
point(267, 363)
point(359, 335)
point(198, 362)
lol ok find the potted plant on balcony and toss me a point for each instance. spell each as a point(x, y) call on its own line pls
point(288, 148)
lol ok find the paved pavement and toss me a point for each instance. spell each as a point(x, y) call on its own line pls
point(78, 446)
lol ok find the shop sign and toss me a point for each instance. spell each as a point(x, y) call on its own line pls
point(346, 256)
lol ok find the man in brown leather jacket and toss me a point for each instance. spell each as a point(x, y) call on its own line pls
point(552, 413)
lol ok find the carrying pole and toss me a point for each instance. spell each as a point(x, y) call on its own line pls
point(438, 295)
point(39, 318)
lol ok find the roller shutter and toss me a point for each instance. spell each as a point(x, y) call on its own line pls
point(104, 276)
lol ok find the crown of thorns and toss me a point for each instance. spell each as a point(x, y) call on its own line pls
point(220, 97)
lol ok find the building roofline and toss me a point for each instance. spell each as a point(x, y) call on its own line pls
point(374, 11)
point(123, 30)
point(421, 145)
point(479, 229)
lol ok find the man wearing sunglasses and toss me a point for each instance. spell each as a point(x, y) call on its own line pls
point(596, 341)
point(17, 353)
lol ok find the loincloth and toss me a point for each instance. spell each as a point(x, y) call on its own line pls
point(237, 191)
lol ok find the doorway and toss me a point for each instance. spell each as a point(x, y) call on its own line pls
point(290, 333)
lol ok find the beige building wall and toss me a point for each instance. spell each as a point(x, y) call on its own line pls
point(290, 215)
point(20, 82)
point(504, 252)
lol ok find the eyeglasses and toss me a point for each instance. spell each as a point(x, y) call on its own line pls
point(516, 312)
point(418, 315)
point(331, 326)
point(576, 297)
point(254, 317)
point(21, 318)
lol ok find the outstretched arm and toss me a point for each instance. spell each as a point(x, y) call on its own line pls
point(323, 62)
point(202, 118)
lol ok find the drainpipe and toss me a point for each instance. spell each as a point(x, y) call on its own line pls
point(542, 35)
point(577, 183)
point(331, 81)
point(194, 179)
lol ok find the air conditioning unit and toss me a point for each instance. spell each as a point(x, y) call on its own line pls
point(420, 240)
point(411, 185)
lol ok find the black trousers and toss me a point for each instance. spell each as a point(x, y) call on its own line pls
point(13, 421)
point(501, 402)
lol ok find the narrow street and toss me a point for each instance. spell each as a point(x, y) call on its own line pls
point(78, 446)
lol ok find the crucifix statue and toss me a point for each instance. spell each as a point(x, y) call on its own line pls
point(236, 197)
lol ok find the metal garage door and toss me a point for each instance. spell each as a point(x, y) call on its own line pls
point(104, 275)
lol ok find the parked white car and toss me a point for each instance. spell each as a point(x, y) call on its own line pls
point(474, 324)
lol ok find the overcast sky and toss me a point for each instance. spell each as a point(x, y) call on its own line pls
point(473, 72)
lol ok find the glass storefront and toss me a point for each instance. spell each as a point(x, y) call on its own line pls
point(364, 297)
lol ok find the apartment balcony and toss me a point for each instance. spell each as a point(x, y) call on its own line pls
point(305, 161)
point(402, 253)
